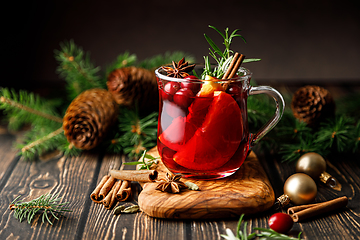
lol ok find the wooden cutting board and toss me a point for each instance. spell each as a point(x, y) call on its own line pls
point(247, 191)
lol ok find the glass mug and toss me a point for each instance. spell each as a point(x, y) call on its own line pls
point(206, 136)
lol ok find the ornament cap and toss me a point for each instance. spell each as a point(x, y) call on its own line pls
point(283, 200)
point(328, 179)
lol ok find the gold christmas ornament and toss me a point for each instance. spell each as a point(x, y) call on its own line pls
point(314, 165)
point(299, 189)
point(89, 117)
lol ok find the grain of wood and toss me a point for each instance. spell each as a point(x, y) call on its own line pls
point(32, 179)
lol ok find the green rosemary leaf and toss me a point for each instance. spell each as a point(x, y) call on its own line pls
point(216, 49)
point(247, 60)
point(217, 31)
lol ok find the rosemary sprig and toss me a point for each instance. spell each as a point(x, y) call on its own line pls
point(145, 164)
point(222, 58)
point(45, 204)
point(263, 234)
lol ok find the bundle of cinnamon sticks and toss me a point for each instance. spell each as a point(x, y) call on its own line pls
point(302, 212)
point(117, 187)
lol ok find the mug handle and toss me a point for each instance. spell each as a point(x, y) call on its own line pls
point(280, 107)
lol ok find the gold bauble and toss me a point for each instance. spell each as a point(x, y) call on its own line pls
point(300, 188)
point(313, 164)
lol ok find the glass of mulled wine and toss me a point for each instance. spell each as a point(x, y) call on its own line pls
point(203, 127)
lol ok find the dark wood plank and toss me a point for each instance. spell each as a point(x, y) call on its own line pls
point(340, 224)
point(7, 154)
point(103, 224)
point(70, 177)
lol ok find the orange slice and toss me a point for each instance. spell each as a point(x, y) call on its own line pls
point(218, 138)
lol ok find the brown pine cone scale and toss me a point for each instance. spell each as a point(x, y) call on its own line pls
point(89, 117)
point(129, 85)
point(312, 104)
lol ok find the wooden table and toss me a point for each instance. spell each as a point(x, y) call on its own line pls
point(74, 178)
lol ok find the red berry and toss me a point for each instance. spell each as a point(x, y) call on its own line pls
point(195, 87)
point(281, 222)
point(184, 97)
point(170, 89)
point(234, 90)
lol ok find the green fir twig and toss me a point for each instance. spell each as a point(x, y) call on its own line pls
point(336, 133)
point(134, 134)
point(77, 69)
point(23, 108)
point(47, 204)
point(46, 126)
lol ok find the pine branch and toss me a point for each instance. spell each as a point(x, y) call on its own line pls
point(135, 134)
point(45, 204)
point(76, 68)
point(123, 60)
point(26, 108)
point(42, 140)
point(336, 133)
point(30, 110)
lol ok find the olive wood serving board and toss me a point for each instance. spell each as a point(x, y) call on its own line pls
point(247, 191)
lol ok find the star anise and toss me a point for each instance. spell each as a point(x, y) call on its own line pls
point(179, 70)
point(171, 184)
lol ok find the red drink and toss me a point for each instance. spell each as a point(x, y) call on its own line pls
point(202, 128)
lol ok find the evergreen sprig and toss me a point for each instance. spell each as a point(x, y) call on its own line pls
point(76, 68)
point(336, 133)
point(263, 233)
point(45, 204)
point(25, 108)
point(134, 134)
point(22, 108)
point(123, 60)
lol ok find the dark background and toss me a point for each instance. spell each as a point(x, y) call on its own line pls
point(297, 40)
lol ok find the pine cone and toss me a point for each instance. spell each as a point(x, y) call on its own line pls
point(89, 117)
point(312, 104)
point(129, 85)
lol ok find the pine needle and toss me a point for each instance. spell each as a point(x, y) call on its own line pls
point(77, 69)
point(45, 204)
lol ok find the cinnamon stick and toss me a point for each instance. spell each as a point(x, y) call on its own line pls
point(237, 66)
point(104, 191)
point(95, 195)
point(110, 198)
point(231, 66)
point(135, 175)
point(317, 209)
point(124, 191)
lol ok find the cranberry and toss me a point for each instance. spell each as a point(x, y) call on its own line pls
point(281, 222)
point(195, 87)
point(170, 89)
point(234, 90)
point(184, 97)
